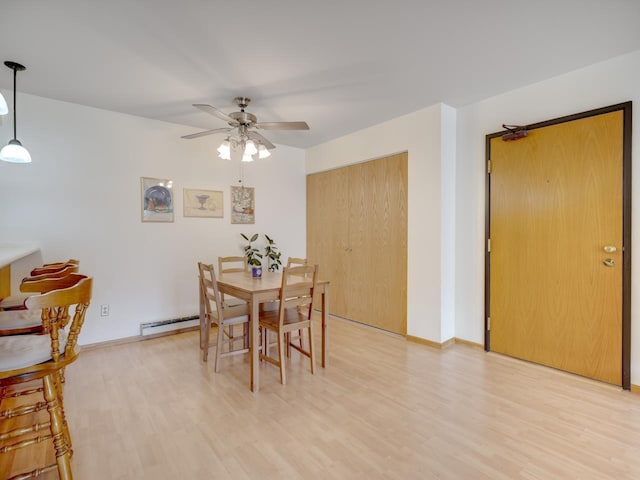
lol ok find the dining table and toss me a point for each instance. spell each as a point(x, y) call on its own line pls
point(258, 290)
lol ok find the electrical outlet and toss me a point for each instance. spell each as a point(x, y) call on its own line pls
point(104, 310)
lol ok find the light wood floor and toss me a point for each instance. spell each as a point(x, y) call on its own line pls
point(384, 409)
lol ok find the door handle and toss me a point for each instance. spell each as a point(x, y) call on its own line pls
point(609, 262)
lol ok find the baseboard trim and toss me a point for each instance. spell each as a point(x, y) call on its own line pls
point(635, 388)
point(469, 343)
point(135, 338)
point(445, 344)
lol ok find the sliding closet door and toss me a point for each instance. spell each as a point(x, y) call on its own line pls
point(328, 233)
point(357, 232)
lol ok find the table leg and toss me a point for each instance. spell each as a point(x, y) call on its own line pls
point(325, 327)
point(255, 344)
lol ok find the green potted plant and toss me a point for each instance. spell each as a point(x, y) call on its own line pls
point(272, 254)
point(254, 257)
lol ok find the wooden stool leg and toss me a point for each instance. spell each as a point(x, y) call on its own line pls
point(57, 428)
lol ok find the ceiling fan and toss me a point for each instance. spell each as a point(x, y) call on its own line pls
point(241, 130)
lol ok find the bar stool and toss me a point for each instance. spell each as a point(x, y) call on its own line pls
point(24, 358)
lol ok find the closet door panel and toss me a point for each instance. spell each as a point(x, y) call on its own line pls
point(357, 233)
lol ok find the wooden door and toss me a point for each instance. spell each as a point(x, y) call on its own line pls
point(328, 233)
point(556, 242)
point(359, 238)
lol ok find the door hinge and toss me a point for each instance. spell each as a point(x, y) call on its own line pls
point(488, 166)
point(488, 324)
point(488, 245)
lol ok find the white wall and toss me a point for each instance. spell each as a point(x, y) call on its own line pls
point(611, 82)
point(421, 134)
point(80, 198)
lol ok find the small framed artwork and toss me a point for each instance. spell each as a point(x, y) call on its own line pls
point(157, 199)
point(242, 205)
point(202, 203)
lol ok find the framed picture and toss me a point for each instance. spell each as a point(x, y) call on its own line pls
point(242, 205)
point(202, 203)
point(157, 199)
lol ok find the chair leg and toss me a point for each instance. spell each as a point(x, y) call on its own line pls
point(312, 354)
point(281, 354)
point(287, 342)
point(207, 336)
point(64, 417)
point(219, 344)
point(57, 428)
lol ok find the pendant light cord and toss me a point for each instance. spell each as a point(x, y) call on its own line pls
point(15, 135)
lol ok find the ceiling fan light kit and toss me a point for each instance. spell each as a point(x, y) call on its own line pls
point(14, 152)
point(244, 138)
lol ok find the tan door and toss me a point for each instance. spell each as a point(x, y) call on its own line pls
point(556, 270)
point(357, 232)
point(328, 233)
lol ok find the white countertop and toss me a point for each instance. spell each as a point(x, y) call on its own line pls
point(9, 253)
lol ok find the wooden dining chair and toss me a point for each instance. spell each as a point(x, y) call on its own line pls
point(223, 316)
point(53, 267)
point(24, 320)
point(17, 301)
point(25, 358)
point(294, 313)
point(296, 262)
point(232, 265)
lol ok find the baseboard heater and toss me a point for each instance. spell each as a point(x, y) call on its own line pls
point(161, 326)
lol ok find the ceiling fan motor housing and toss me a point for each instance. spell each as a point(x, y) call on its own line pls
point(243, 118)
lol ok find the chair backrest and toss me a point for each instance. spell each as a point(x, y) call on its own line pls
point(232, 264)
point(60, 301)
point(296, 291)
point(295, 262)
point(47, 284)
point(209, 290)
point(53, 267)
point(71, 268)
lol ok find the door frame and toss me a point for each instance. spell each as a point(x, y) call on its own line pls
point(626, 226)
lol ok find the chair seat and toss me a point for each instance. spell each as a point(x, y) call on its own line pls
point(292, 317)
point(20, 351)
point(19, 319)
point(13, 301)
point(232, 302)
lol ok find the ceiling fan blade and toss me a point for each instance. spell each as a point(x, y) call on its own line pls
point(282, 126)
point(259, 138)
point(207, 132)
point(216, 113)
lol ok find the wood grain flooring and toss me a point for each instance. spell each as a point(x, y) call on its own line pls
point(386, 408)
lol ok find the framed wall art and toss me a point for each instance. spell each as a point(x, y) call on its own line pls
point(157, 199)
point(202, 203)
point(242, 205)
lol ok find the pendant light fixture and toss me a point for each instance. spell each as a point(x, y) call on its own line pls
point(14, 152)
point(4, 109)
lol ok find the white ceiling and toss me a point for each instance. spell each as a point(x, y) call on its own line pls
point(340, 65)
